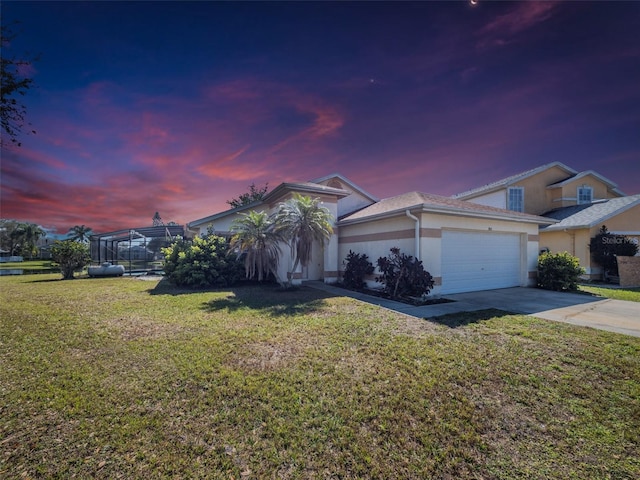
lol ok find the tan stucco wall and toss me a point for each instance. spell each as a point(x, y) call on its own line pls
point(627, 221)
point(375, 238)
point(567, 194)
point(576, 241)
point(536, 198)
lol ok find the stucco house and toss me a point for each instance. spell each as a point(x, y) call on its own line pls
point(464, 245)
point(581, 202)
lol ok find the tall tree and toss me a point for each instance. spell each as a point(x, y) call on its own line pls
point(256, 238)
point(31, 233)
point(253, 195)
point(80, 233)
point(20, 238)
point(14, 82)
point(303, 221)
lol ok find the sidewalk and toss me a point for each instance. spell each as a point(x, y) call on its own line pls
point(578, 309)
point(421, 311)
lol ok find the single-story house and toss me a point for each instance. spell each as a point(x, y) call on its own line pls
point(465, 246)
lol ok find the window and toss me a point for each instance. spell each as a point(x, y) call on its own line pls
point(515, 200)
point(585, 195)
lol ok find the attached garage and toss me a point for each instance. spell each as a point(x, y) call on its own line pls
point(481, 260)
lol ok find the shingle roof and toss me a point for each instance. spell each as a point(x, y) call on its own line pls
point(588, 216)
point(438, 204)
point(513, 179)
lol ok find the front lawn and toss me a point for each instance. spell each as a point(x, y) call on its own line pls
point(130, 378)
point(629, 294)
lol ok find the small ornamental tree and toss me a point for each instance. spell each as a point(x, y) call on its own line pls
point(357, 266)
point(70, 256)
point(605, 247)
point(204, 262)
point(402, 275)
point(559, 271)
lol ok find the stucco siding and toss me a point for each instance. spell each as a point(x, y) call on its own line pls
point(494, 199)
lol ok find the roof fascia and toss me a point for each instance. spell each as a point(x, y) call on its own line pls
point(604, 218)
point(217, 216)
point(476, 192)
point(286, 187)
point(424, 208)
point(348, 182)
point(611, 185)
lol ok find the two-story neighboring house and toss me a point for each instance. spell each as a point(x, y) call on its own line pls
point(581, 202)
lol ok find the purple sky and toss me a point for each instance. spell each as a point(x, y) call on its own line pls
point(177, 107)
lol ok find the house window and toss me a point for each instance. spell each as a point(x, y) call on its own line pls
point(515, 200)
point(585, 195)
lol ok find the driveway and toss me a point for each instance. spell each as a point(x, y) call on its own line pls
point(578, 309)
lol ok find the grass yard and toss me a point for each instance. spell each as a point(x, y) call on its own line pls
point(130, 378)
point(629, 294)
point(28, 265)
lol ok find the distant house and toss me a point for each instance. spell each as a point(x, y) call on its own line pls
point(580, 202)
point(464, 245)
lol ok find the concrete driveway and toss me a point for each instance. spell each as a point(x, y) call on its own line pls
point(578, 309)
point(606, 314)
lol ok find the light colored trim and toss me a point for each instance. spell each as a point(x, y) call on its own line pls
point(508, 215)
point(355, 187)
point(374, 237)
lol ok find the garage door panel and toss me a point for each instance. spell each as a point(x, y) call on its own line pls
point(479, 261)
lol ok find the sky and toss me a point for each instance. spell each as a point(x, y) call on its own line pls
point(177, 107)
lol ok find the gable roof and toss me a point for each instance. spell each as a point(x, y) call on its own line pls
point(611, 185)
point(345, 180)
point(588, 216)
point(505, 182)
point(283, 188)
point(306, 187)
point(215, 216)
point(426, 202)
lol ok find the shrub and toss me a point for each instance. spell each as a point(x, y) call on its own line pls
point(70, 256)
point(204, 262)
point(605, 247)
point(402, 275)
point(357, 266)
point(559, 271)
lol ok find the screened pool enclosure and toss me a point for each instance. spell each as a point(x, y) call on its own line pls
point(137, 249)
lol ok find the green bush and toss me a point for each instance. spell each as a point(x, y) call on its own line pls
point(203, 262)
point(402, 275)
point(70, 256)
point(605, 247)
point(559, 271)
point(357, 266)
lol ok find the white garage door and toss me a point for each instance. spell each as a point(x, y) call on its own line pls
point(480, 261)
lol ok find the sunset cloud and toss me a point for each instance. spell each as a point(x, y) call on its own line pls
point(434, 96)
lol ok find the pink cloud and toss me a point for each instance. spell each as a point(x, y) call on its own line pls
point(504, 28)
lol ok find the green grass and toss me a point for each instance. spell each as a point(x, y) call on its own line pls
point(27, 265)
point(130, 378)
point(629, 294)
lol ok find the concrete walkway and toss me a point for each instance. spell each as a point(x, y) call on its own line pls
point(578, 309)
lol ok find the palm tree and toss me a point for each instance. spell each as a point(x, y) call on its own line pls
point(80, 233)
point(26, 236)
point(302, 221)
point(259, 241)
